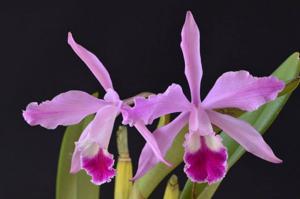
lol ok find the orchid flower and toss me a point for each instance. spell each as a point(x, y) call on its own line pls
point(205, 156)
point(71, 107)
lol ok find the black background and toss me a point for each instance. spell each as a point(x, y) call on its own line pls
point(139, 44)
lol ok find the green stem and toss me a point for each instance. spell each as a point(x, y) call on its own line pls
point(122, 142)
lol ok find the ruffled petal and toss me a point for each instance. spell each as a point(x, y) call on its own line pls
point(64, 109)
point(190, 45)
point(199, 122)
point(205, 158)
point(98, 163)
point(245, 135)
point(94, 64)
point(146, 110)
point(241, 90)
point(164, 137)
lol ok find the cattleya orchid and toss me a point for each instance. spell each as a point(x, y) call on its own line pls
point(71, 107)
point(205, 156)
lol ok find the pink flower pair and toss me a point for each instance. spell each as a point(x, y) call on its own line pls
point(205, 156)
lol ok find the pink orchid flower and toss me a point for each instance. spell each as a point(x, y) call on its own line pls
point(205, 156)
point(71, 107)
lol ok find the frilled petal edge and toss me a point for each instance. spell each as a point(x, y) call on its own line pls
point(99, 165)
point(205, 158)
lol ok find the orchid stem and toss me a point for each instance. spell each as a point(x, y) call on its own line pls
point(123, 185)
point(122, 142)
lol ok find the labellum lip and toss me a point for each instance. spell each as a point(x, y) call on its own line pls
point(99, 166)
point(208, 163)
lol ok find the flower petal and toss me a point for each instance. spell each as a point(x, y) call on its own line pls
point(91, 148)
point(64, 109)
point(199, 122)
point(76, 161)
point(164, 137)
point(205, 158)
point(146, 110)
point(98, 131)
point(190, 46)
point(101, 127)
point(99, 165)
point(242, 90)
point(112, 97)
point(94, 64)
point(150, 139)
point(245, 135)
point(76, 157)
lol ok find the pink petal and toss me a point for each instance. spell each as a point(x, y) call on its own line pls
point(112, 97)
point(64, 109)
point(76, 161)
point(99, 166)
point(101, 127)
point(205, 158)
point(190, 46)
point(164, 137)
point(150, 139)
point(245, 135)
point(76, 157)
point(94, 137)
point(199, 122)
point(92, 62)
point(242, 90)
point(146, 110)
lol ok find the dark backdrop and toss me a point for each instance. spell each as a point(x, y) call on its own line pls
point(139, 44)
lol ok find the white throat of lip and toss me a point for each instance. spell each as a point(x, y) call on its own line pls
point(193, 142)
point(90, 149)
point(213, 142)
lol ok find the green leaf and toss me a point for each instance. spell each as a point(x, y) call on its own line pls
point(290, 86)
point(73, 186)
point(192, 190)
point(261, 119)
point(234, 112)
